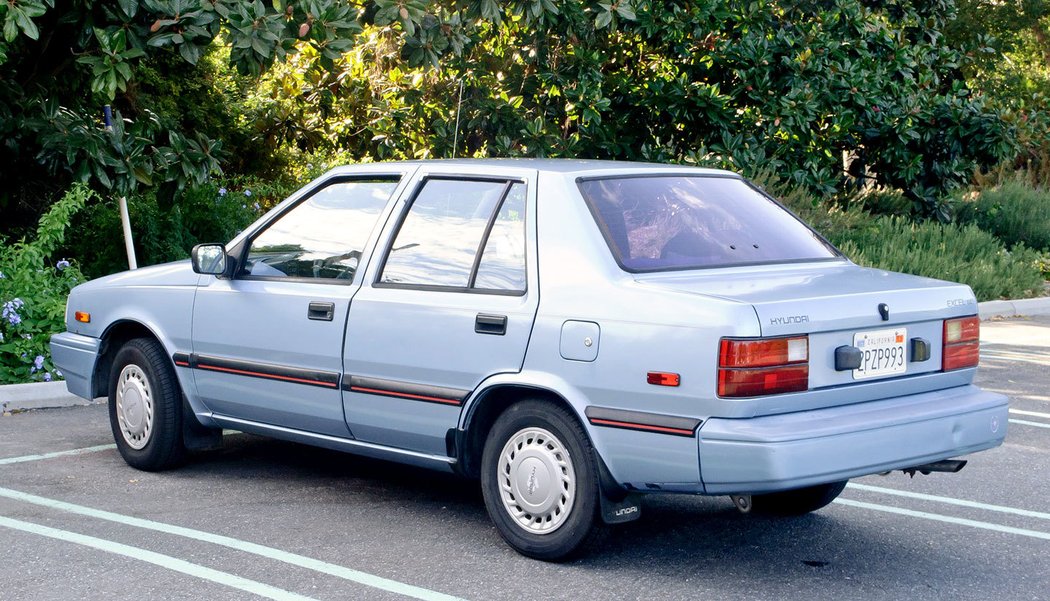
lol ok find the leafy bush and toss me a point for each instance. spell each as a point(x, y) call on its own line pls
point(948, 252)
point(1015, 211)
point(33, 290)
point(206, 213)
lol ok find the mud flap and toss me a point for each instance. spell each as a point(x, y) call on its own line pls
point(618, 504)
point(196, 437)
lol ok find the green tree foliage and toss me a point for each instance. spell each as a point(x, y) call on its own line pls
point(791, 86)
point(796, 86)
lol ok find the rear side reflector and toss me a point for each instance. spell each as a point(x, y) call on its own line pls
point(662, 378)
point(82, 317)
point(750, 367)
point(962, 345)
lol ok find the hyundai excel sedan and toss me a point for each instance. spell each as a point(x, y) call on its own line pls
point(574, 334)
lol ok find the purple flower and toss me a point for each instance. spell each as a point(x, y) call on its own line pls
point(61, 265)
point(247, 192)
point(47, 376)
point(10, 311)
point(222, 191)
point(2, 276)
point(39, 362)
point(256, 206)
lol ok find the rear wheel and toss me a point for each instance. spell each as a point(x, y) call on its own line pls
point(145, 406)
point(799, 501)
point(539, 480)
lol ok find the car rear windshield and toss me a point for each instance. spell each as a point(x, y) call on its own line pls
point(655, 223)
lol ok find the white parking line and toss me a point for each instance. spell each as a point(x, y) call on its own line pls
point(302, 561)
point(1024, 422)
point(159, 559)
point(949, 501)
point(944, 518)
point(1030, 413)
point(24, 458)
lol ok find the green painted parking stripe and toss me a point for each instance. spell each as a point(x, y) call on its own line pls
point(949, 501)
point(165, 561)
point(944, 518)
point(309, 563)
point(23, 459)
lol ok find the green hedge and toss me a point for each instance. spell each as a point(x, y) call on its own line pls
point(1015, 211)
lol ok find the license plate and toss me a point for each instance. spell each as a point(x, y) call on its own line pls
point(882, 353)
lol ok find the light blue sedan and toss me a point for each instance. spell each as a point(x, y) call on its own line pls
point(572, 333)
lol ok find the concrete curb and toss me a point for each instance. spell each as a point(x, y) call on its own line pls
point(1014, 308)
point(52, 395)
point(37, 395)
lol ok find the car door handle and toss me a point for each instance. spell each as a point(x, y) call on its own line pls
point(321, 311)
point(491, 324)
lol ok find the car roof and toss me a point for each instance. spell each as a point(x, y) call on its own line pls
point(566, 166)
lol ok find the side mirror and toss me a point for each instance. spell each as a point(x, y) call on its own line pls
point(209, 259)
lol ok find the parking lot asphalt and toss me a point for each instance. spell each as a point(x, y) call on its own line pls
point(269, 519)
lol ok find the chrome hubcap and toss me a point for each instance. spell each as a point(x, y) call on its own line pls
point(134, 406)
point(537, 481)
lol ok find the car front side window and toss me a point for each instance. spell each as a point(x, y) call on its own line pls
point(323, 236)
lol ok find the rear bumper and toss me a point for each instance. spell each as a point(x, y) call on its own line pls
point(74, 355)
point(781, 452)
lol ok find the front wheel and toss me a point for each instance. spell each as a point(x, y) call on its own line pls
point(799, 501)
point(145, 406)
point(539, 480)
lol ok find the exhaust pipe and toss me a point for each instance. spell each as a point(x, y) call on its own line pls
point(950, 466)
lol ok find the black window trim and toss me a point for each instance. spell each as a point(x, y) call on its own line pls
point(241, 250)
point(615, 249)
point(469, 289)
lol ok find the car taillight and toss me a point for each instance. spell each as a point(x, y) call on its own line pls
point(962, 345)
point(761, 366)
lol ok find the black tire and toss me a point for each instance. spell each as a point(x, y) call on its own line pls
point(560, 531)
point(799, 501)
point(148, 389)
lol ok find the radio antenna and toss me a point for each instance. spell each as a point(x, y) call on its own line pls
point(459, 107)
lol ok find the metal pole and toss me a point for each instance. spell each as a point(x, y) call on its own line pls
point(455, 134)
point(129, 244)
point(125, 220)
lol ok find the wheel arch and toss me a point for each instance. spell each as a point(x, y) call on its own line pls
point(487, 405)
point(114, 337)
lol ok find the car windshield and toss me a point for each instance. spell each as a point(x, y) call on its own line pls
point(655, 223)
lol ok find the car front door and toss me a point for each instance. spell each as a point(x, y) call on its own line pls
point(267, 343)
point(449, 301)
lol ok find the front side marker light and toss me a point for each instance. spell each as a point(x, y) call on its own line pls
point(82, 316)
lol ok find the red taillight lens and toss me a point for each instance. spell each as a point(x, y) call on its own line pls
point(961, 346)
point(762, 366)
point(763, 352)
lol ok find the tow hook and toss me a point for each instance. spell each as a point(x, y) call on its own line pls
point(742, 502)
point(950, 466)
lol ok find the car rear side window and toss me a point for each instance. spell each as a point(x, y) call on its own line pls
point(323, 236)
point(461, 234)
point(656, 223)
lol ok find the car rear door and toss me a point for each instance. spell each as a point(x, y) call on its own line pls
point(449, 301)
point(267, 343)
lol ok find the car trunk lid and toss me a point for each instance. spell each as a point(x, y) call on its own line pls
point(838, 304)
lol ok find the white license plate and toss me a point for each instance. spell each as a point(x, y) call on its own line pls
point(882, 353)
